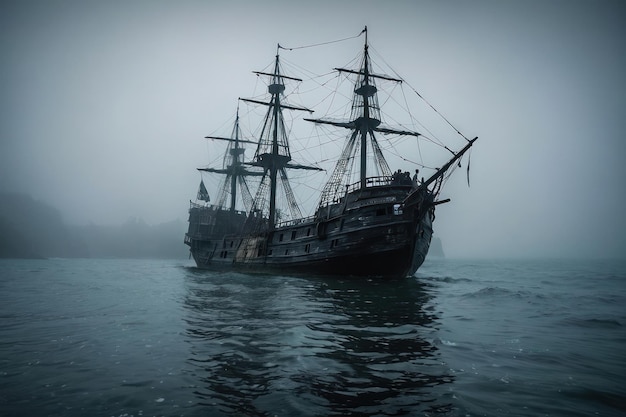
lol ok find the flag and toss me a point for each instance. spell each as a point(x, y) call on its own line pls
point(203, 194)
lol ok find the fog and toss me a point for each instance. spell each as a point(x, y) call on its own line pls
point(105, 105)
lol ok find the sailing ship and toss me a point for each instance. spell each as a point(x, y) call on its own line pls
point(363, 225)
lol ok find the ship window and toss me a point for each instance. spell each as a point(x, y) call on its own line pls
point(308, 231)
point(231, 243)
point(280, 238)
point(293, 235)
point(286, 251)
point(307, 247)
point(334, 243)
point(260, 251)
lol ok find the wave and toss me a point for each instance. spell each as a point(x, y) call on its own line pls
point(595, 323)
point(447, 280)
point(610, 401)
point(494, 292)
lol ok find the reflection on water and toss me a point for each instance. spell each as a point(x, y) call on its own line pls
point(291, 346)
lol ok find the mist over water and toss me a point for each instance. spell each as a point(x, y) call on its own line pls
point(105, 107)
point(138, 337)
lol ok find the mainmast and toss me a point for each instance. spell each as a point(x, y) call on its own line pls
point(278, 161)
point(237, 152)
point(273, 153)
point(365, 124)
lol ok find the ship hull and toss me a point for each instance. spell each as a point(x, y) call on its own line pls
point(386, 264)
point(368, 240)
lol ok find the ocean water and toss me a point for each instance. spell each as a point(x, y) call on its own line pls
point(461, 338)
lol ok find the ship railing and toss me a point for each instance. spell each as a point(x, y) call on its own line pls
point(193, 205)
point(371, 182)
point(189, 236)
point(295, 222)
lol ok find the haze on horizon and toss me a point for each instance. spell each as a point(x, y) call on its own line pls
point(105, 106)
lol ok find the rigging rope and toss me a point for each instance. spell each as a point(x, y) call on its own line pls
point(320, 44)
point(436, 111)
point(421, 97)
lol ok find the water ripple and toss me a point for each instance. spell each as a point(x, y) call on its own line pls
point(337, 345)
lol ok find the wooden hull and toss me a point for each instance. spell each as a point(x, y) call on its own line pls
point(372, 237)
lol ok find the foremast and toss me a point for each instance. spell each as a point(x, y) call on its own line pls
point(365, 119)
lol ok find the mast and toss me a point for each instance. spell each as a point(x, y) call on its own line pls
point(273, 153)
point(276, 89)
point(233, 167)
point(236, 151)
point(366, 90)
point(365, 119)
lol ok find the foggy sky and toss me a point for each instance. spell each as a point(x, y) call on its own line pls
point(104, 106)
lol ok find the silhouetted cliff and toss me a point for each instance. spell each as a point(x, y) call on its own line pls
point(32, 229)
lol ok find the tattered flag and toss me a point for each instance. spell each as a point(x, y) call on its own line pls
point(203, 194)
point(469, 158)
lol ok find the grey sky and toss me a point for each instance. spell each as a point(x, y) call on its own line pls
point(105, 104)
